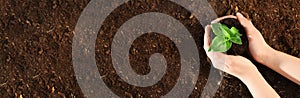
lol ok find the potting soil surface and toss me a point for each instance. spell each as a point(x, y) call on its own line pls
point(36, 47)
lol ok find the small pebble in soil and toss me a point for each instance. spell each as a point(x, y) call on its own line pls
point(191, 16)
point(40, 51)
point(3, 84)
point(20, 96)
point(236, 8)
point(52, 90)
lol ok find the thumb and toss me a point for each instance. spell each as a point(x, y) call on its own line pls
point(248, 26)
point(207, 37)
point(246, 23)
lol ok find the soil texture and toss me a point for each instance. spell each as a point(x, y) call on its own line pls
point(36, 46)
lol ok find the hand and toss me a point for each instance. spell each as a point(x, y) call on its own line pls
point(284, 64)
point(241, 67)
point(237, 66)
point(258, 47)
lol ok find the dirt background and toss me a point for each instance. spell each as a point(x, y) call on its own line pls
point(36, 44)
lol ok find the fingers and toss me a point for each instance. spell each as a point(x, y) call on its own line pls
point(207, 37)
point(246, 23)
point(224, 17)
point(220, 61)
point(224, 62)
point(216, 58)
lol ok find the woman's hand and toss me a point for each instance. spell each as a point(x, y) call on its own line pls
point(241, 68)
point(282, 63)
point(258, 47)
point(237, 66)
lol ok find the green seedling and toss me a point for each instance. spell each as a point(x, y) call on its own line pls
point(224, 37)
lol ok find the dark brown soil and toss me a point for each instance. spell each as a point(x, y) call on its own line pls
point(36, 46)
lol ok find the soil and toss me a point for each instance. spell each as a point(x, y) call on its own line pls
point(237, 49)
point(36, 46)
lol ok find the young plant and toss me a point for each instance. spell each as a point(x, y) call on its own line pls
point(224, 37)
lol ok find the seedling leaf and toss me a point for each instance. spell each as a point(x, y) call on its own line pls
point(226, 31)
point(234, 30)
point(224, 38)
point(228, 46)
point(236, 39)
point(219, 44)
point(216, 27)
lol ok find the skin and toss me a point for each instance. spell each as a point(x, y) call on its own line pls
point(282, 63)
point(245, 70)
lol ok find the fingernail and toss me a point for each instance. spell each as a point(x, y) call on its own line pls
point(207, 26)
point(239, 14)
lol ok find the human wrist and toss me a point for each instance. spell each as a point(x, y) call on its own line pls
point(258, 86)
point(267, 55)
point(252, 74)
point(270, 58)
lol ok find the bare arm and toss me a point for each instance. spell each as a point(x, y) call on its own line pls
point(241, 68)
point(258, 86)
point(284, 64)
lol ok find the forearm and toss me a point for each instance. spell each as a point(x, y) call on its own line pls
point(258, 86)
point(284, 64)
